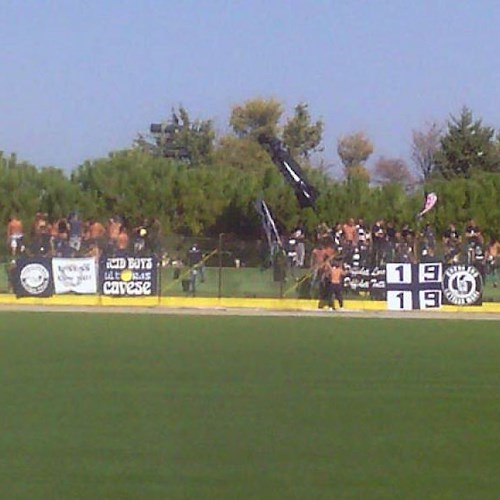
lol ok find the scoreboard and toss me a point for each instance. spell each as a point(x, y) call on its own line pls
point(414, 286)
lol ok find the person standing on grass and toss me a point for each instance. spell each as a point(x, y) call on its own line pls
point(492, 254)
point(195, 262)
point(316, 261)
point(324, 282)
point(336, 277)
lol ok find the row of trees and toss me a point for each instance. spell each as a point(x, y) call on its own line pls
point(199, 184)
point(460, 147)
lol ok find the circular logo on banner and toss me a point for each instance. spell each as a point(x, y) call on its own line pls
point(462, 285)
point(34, 278)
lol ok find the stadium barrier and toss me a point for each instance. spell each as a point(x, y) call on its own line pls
point(224, 268)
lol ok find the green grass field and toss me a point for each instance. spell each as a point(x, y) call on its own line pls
point(170, 407)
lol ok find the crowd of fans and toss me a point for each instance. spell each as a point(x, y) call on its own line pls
point(72, 236)
point(354, 243)
point(358, 245)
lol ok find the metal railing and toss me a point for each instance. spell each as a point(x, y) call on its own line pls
point(231, 267)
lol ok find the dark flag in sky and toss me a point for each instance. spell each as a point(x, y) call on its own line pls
point(291, 171)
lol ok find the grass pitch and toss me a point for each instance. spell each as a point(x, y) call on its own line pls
point(151, 406)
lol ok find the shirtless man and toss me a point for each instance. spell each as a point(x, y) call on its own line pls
point(14, 235)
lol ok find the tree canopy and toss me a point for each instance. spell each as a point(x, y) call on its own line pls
point(214, 189)
point(467, 147)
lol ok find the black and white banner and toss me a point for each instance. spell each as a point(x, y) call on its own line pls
point(268, 224)
point(32, 277)
point(306, 193)
point(462, 286)
point(129, 276)
point(76, 275)
point(414, 286)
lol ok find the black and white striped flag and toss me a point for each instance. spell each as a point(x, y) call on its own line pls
point(306, 194)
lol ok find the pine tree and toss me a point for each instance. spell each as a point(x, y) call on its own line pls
point(467, 147)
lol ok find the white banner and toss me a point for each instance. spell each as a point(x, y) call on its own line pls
point(77, 275)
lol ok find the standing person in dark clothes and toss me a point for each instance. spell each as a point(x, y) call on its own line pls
point(75, 231)
point(336, 276)
point(379, 242)
point(154, 240)
point(195, 262)
point(324, 281)
point(390, 231)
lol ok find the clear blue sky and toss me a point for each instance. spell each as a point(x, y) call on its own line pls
point(80, 78)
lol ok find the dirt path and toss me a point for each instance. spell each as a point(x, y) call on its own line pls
point(428, 314)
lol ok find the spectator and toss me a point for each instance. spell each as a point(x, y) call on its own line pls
point(363, 247)
point(335, 273)
point(61, 246)
point(195, 262)
point(14, 235)
point(478, 259)
point(363, 234)
point(407, 233)
point(300, 248)
point(315, 263)
point(113, 231)
point(404, 249)
point(451, 244)
point(492, 252)
point(323, 232)
point(429, 238)
point(379, 240)
point(473, 239)
point(42, 243)
point(75, 231)
point(122, 241)
point(350, 234)
point(391, 241)
point(154, 239)
point(140, 237)
point(62, 228)
point(324, 282)
point(473, 233)
point(52, 226)
point(40, 223)
point(330, 251)
point(338, 238)
point(96, 233)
